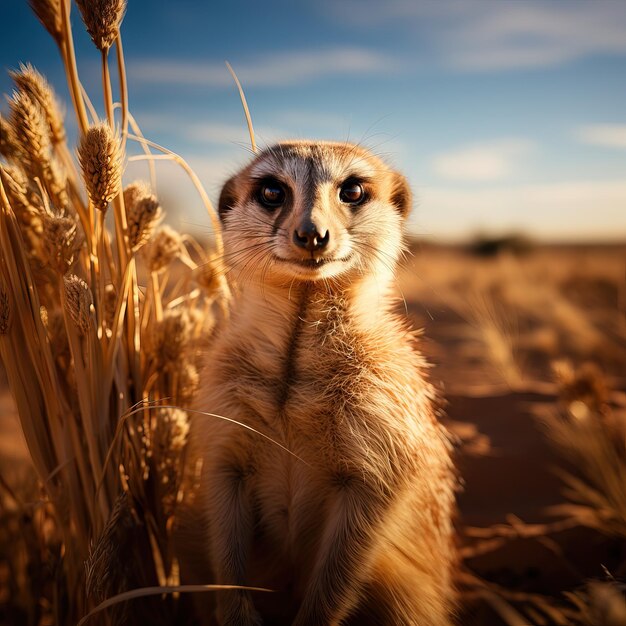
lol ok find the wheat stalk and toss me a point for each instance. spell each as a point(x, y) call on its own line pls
point(82, 340)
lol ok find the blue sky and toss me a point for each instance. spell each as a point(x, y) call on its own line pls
point(503, 114)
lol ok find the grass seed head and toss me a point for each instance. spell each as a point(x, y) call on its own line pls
point(79, 301)
point(168, 442)
point(172, 336)
point(102, 19)
point(8, 146)
point(61, 240)
point(100, 158)
point(49, 14)
point(30, 130)
point(173, 428)
point(32, 83)
point(112, 564)
point(188, 382)
point(143, 213)
point(26, 206)
point(166, 246)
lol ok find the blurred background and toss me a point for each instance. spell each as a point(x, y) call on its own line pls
point(506, 116)
point(509, 119)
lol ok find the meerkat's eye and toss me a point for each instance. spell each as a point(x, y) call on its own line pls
point(271, 194)
point(351, 192)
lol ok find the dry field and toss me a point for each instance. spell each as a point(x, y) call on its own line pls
point(530, 353)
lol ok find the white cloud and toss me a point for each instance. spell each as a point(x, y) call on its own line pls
point(279, 69)
point(529, 35)
point(475, 35)
point(606, 135)
point(566, 210)
point(483, 162)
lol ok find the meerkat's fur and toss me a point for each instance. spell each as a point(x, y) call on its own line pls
point(343, 505)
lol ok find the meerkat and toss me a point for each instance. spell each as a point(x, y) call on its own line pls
point(330, 481)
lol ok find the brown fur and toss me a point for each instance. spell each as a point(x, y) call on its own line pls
point(346, 513)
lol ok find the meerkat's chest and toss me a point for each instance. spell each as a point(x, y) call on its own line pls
point(315, 375)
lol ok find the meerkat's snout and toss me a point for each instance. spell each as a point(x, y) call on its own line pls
point(308, 236)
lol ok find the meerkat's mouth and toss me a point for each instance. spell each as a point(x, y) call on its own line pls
point(312, 264)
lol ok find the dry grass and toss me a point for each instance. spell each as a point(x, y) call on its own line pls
point(98, 332)
point(519, 313)
point(590, 433)
point(548, 323)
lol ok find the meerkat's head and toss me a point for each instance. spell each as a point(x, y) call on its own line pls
point(310, 211)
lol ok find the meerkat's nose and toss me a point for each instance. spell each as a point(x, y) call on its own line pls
point(307, 236)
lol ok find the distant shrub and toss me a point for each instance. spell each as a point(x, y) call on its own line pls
point(489, 246)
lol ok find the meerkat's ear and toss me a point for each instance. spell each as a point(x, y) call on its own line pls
point(401, 196)
point(228, 197)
